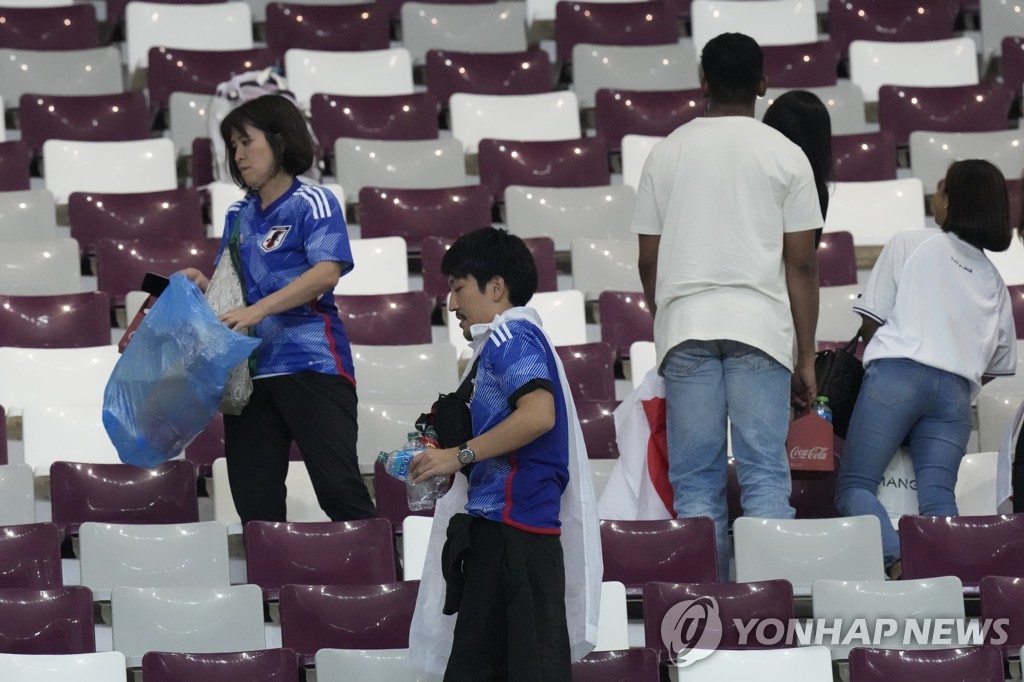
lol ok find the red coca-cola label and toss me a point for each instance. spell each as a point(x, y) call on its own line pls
point(809, 444)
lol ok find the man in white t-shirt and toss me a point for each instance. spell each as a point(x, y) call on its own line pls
point(726, 211)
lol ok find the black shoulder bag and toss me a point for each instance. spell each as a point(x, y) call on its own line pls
point(449, 416)
point(839, 374)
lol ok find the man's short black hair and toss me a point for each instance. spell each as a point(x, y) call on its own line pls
point(489, 252)
point(733, 65)
point(284, 127)
point(979, 207)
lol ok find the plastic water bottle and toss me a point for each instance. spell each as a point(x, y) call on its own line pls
point(822, 409)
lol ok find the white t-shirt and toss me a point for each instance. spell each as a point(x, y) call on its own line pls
point(942, 303)
point(721, 192)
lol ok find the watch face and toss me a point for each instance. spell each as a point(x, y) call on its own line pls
point(466, 456)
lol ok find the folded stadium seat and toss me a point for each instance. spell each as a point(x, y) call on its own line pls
point(547, 163)
point(837, 262)
point(844, 100)
point(384, 665)
point(265, 665)
point(326, 27)
point(605, 264)
point(301, 502)
point(643, 112)
point(801, 66)
point(71, 27)
point(568, 213)
point(218, 26)
point(92, 118)
point(403, 164)
point(414, 214)
point(597, 421)
point(61, 321)
point(186, 620)
point(590, 370)
point(894, 21)
point(805, 550)
point(631, 67)
point(486, 27)
point(173, 69)
point(931, 153)
point(674, 550)
point(998, 21)
point(939, 665)
point(27, 214)
point(167, 214)
point(625, 319)
point(543, 116)
point(616, 23)
point(40, 268)
point(33, 376)
point(636, 664)
point(123, 494)
point(315, 617)
point(17, 492)
point(1003, 597)
point(873, 63)
point(30, 557)
point(364, 72)
point(326, 553)
point(968, 547)
point(121, 264)
point(635, 149)
point(132, 166)
point(54, 620)
point(381, 267)
point(847, 600)
point(387, 319)
point(15, 157)
point(769, 22)
point(94, 71)
point(486, 73)
point(153, 555)
point(873, 211)
point(863, 157)
point(961, 109)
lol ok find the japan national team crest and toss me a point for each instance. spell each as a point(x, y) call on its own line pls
point(275, 237)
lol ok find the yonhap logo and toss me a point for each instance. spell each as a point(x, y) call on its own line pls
point(692, 630)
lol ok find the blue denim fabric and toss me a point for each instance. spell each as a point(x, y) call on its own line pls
point(902, 400)
point(707, 382)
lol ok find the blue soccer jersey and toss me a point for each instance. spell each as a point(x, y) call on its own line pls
point(522, 488)
point(303, 227)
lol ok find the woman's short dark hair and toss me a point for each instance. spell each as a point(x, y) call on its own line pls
point(284, 127)
point(490, 252)
point(803, 118)
point(733, 65)
point(978, 209)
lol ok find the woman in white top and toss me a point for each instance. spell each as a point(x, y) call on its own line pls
point(938, 323)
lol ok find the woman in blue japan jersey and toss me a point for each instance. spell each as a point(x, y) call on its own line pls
point(292, 246)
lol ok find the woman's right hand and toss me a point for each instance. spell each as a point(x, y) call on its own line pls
point(197, 277)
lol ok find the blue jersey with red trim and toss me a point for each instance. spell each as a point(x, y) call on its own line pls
point(303, 227)
point(522, 488)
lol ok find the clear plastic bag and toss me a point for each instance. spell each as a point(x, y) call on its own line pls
point(166, 386)
point(223, 294)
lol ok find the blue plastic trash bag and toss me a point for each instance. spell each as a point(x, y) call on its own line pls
point(166, 386)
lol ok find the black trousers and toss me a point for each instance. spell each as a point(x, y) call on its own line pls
point(318, 412)
point(511, 622)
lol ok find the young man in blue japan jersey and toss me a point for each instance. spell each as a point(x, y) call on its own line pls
point(507, 579)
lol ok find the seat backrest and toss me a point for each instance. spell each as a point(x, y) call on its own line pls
point(40, 268)
point(101, 666)
point(868, 664)
point(903, 109)
point(27, 214)
point(93, 118)
point(851, 600)
point(601, 264)
point(385, 426)
point(620, 112)
point(952, 61)
point(174, 213)
point(590, 370)
point(387, 319)
point(647, 67)
point(642, 358)
point(326, 27)
point(375, 117)
point(976, 484)
point(121, 264)
point(874, 211)
point(384, 665)
point(15, 157)
point(346, 616)
point(46, 621)
point(1001, 20)
point(675, 550)
point(301, 502)
point(174, 69)
point(624, 319)
point(1010, 263)
point(186, 619)
point(30, 557)
point(579, 162)
point(860, 157)
point(844, 100)
point(603, 23)
point(568, 213)
point(416, 532)
point(325, 553)
point(487, 73)
point(132, 166)
point(267, 665)
point(635, 150)
point(409, 373)
point(410, 164)
point(488, 27)
point(804, 65)
point(894, 21)
point(188, 119)
point(769, 22)
point(836, 319)
point(96, 71)
point(543, 116)
point(804, 550)
point(220, 26)
point(153, 555)
point(17, 494)
point(413, 214)
point(72, 27)
point(1003, 597)
point(969, 547)
point(837, 261)
point(381, 267)
point(635, 664)
point(931, 153)
point(367, 72)
point(67, 321)
point(802, 664)
point(32, 376)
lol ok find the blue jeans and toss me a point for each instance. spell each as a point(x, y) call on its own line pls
point(904, 400)
point(707, 382)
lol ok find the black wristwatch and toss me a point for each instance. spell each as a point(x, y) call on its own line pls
point(466, 454)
